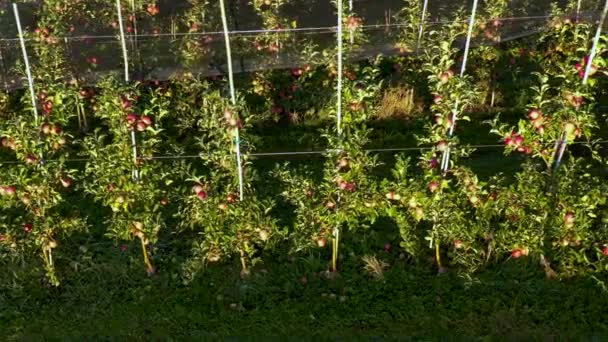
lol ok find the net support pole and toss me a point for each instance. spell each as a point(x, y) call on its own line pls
point(445, 162)
point(232, 96)
point(421, 28)
point(125, 58)
point(588, 67)
point(336, 229)
point(596, 40)
point(351, 33)
point(339, 71)
point(26, 61)
point(123, 41)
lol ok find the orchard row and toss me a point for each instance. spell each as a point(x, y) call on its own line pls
point(103, 144)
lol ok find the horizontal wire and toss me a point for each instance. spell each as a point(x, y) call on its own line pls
point(262, 31)
point(316, 152)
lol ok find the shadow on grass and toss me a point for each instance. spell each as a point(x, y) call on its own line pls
point(115, 300)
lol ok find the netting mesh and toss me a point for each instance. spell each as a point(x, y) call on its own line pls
point(185, 36)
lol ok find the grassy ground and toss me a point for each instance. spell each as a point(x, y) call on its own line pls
point(114, 301)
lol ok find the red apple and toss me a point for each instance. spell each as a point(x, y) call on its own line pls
point(458, 244)
point(153, 10)
point(10, 190)
point(131, 118)
point(445, 77)
point(534, 114)
point(231, 198)
point(45, 128)
point(516, 253)
point(321, 242)
point(569, 218)
point(388, 247)
point(126, 103)
point(202, 195)
point(26, 200)
point(27, 227)
point(538, 122)
point(437, 99)
point(147, 120)
point(141, 126)
point(197, 188)
point(61, 141)
point(518, 140)
point(47, 107)
point(31, 159)
point(227, 114)
point(605, 251)
point(66, 182)
point(56, 129)
point(393, 196)
point(441, 146)
point(434, 186)
point(296, 72)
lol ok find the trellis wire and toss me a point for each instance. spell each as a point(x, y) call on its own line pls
point(303, 153)
point(26, 60)
point(278, 30)
point(232, 96)
point(596, 39)
point(421, 29)
point(446, 155)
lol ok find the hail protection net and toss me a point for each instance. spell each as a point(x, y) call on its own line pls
point(176, 37)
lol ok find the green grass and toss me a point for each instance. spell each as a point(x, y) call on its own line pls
point(113, 299)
